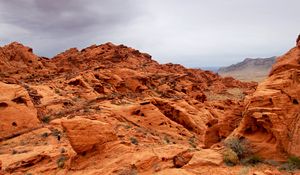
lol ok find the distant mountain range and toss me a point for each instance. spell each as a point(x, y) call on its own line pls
point(210, 68)
point(251, 69)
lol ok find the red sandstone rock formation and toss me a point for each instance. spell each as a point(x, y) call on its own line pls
point(17, 112)
point(84, 134)
point(272, 117)
point(132, 115)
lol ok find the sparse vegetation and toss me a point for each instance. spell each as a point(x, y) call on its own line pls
point(86, 110)
point(167, 140)
point(134, 141)
point(239, 151)
point(46, 119)
point(240, 147)
point(251, 160)
point(57, 91)
point(271, 162)
point(61, 161)
point(127, 126)
point(56, 132)
point(292, 164)
point(45, 135)
point(192, 141)
point(230, 157)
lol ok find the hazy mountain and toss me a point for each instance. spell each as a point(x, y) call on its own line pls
point(251, 69)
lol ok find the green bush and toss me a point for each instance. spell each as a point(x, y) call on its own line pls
point(292, 164)
point(45, 135)
point(251, 160)
point(295, 161)
point(240, 147)
point(61, 161)
point(134, 141)
point(45, 119)
point(271, 162)
point(239, 151)
point(230, 157)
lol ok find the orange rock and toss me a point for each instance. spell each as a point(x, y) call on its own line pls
point(84, 134)
point(205, 157)
point(174, 171)
point(258, 173)
point(271, 120)
point(136, 115)
point(17, 112)
point(272, 172)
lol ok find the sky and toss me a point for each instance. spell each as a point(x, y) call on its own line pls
point(195, 33)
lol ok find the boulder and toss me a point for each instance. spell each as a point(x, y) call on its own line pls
point(17, 111)
point(84, 134)
point(205, 157)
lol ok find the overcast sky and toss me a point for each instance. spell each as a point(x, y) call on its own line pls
point(195, 33)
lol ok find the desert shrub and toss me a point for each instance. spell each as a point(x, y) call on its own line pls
point(45, 119)
point(271, 162)
point(192, 142)
point(57, 91)
point(56, 132)
point(61, 161)
point(127, 126)
point(86, 109)
point(240, 147)
point(230, 157)
point(252, 160)
point(239, 151)
point(292, 164)
point(167, 140)
point(45, 135)
point(134, 141)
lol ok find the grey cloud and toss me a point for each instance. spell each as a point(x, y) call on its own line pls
point(193, 33)
point(62, 18)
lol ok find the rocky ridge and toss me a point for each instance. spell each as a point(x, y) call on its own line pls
point(110, 109)
point(271, 118)
point(251, 69)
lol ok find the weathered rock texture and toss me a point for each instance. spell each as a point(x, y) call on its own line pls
point(17, 112)
point(110, 109)
point(84, 134)
point(272, 116)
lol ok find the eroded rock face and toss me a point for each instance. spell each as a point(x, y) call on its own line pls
point(297, 41)
point(84, 134)
point(272, 118)
point(134, 112)
point(17, 112)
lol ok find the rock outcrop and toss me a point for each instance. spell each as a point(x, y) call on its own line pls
point(84, 134)
point(119, 110)
point(205, 157)
point(17, 112)
point(272, 117)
